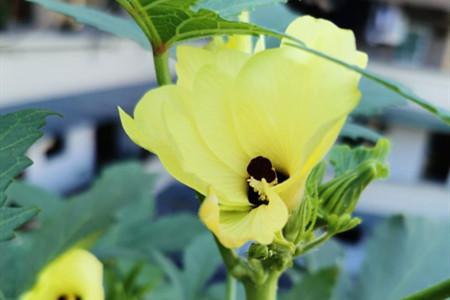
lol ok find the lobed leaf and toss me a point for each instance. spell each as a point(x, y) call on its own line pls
point(18, 131)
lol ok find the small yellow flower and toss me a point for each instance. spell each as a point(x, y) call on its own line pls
point(75, 275)
point(246, 130)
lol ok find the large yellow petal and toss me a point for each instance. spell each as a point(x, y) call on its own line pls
point(209, 213)
point(324, 36)
point(212, 111)
point(235, 228)
point(281, 106)
point(148, 131)
point(258, 224)
point(192, 59)
point(196, 158)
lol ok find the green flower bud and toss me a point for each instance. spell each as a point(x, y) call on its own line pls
point(340, 195)
point(301, 220)
point(258, 251)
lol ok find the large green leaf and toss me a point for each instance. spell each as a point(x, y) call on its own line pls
point(168, 22)
point(80, 218)
point(402, 90)
point(103, 21)
point(18, 131)
point(13, 217)
point(403, 256)
point(314, 286)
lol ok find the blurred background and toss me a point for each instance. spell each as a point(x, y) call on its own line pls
point(48, 61)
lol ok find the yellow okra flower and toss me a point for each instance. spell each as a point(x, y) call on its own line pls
point(75, 275)
point(246, 130)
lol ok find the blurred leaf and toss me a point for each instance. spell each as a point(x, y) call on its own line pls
point(174, 289)
point(403, 256)
point(201, 260)
point(25, 194)
point(402, 90)
point(216, 291)
point(18, 131)
point(130, 279)
point(355, 131)
point(170, 234)
point(79, 219)
point(344, 158)
point(227, 8)
point(376, 98)
point(314, 286)
point(327, 255)
point(13, 217)
point(103, 21)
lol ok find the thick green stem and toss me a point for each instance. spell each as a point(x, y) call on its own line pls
point(436, 292)
point(161, 61)
point(267, 290)
point(231, 288)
